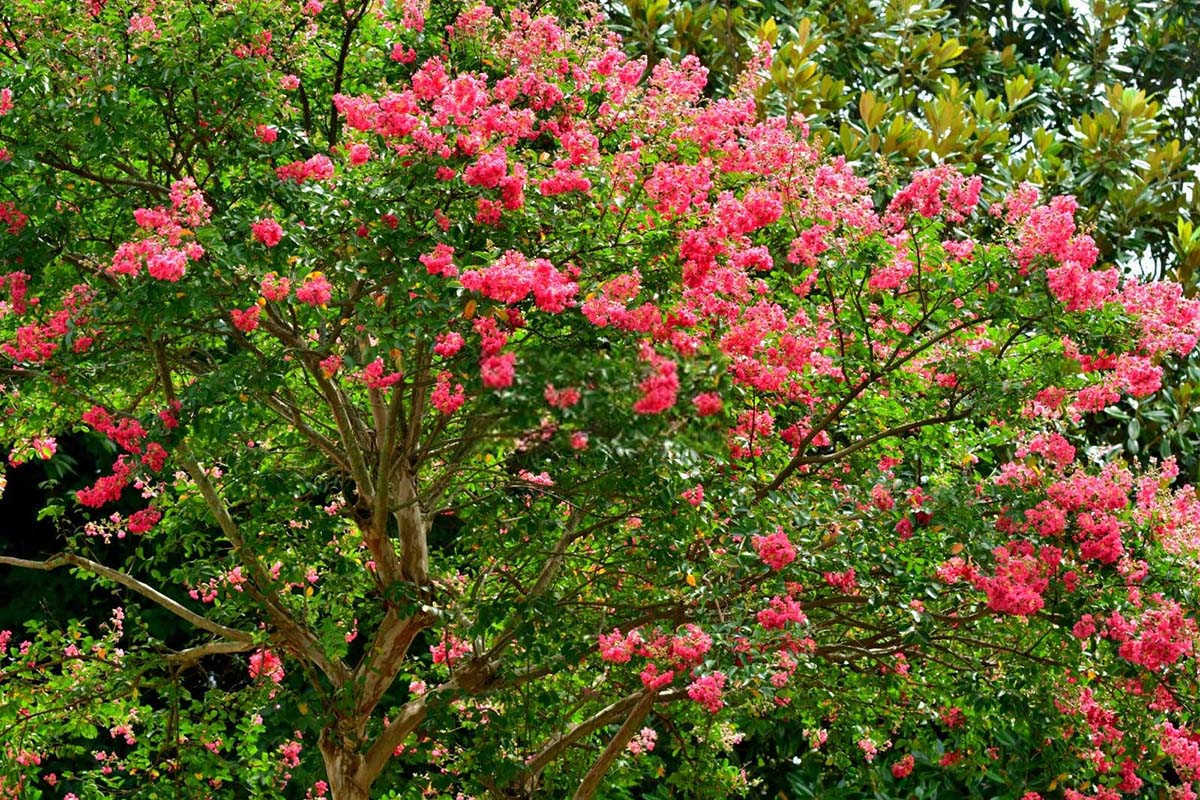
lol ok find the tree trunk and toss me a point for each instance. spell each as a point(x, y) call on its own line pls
point(343, 769)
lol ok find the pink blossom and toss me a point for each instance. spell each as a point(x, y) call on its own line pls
point(617, 647)
point(144, 520)
point(265, 662)
point(642, 742)
point(267, 231)
point(846, 581)
point(440, 261)
point(448, 344)
point(775, 549)
point(487, 170)
point(658, 389)
point(373, 374)
point(142, 23)
point(498, 371)
point(708, 691)
point(330, 365)
point(561, 398)
point(780, 612)
point(450, 650)
point(246, 320)
point(315, 291)
point(275, 288)
point(707, 404)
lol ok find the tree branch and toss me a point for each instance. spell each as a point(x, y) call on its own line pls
point(379, 667)
point(591, 781)
point(188, 657)
point(299, 636)
point(130, 582)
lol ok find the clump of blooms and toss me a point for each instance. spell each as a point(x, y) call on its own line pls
point(316, 168)
point(708, 690)
point(265, 663)
point(643, 742)
point(267, 231)
point(315, 290)
point(167, 246)
point(775, 549)
point(904, 767)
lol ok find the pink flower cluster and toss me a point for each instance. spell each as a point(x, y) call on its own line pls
point(267, 231)
point(374, 377)
point(904, 767)
point(129, 434)
point(941, 191)
point(265, 663)
point(708, 690)
point(316, 168)
point(512, 277)
point(1021, 578)
point(780, 612)
point(444, 398)
point(450, 650)
point(775, 549)
point(440, 261)
point(163, 252)
point(13, 219)
point(666, 655)
point(1048, 232)
point(660, 388)
point(642, 742)
point(1158, 638)
point(497, 369)
point(315, 291)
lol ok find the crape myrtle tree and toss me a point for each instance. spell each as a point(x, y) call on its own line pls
point(490, 416)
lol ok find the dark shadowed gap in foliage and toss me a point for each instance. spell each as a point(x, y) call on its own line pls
point(28, 531)
point(28, 594)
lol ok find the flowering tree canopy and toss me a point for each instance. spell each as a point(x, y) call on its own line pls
point(517, 422)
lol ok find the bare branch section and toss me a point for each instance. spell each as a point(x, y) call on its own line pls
point(130, 582)
point(378, 669)
point(299, 636)
point(556, 745)
point(591, 781)
point(476, 677)
point(188, 657)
